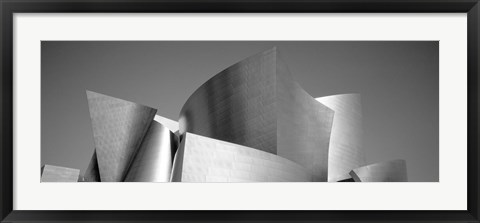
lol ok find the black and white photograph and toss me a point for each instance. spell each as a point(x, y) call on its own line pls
point(239, 111)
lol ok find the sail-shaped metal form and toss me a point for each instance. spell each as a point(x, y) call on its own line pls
point(118, 129)
point(256, 103)
point(345, 152)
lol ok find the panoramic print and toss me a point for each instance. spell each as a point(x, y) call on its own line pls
point(239, 111)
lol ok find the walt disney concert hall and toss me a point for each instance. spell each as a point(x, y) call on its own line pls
point(252, 122)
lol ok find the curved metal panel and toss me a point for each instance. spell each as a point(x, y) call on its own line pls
point(256, 103)
point(236, 105)
point(208, 160)
point(345, 151)
point(303, 125)
point(118, 128)
point(390, 171)
point(176, 175)
point(153, 161)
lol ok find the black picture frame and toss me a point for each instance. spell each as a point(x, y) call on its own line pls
point(9, 7)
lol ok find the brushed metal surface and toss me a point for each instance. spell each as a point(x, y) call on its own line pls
point(236, 105)
point(303, 125)
point(92, 173)
point(176, 175)
point(390, 171)
point(118, 129)
point(256, 103)
point(50, 173)
point(153, 161)
point(205, 159)
point(345, 151)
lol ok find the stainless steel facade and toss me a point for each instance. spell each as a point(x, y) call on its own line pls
point(390, 171)
point(345, 152)
point(118, 129)
point(204, 159)
point(153, 161)
point(256, 103)
point(237, 105)
point(303, 125)
point(51, 173)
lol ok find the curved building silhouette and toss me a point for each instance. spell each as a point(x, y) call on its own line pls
point(256, 103)
point(252, 122)
point(345, 152)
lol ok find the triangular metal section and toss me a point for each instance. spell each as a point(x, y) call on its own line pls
point(92, 174)
point(118, 129)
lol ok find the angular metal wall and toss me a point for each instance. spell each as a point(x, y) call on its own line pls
point(345, 151)
point(59, 174)
point(153, 161)
point(92, 173)
point(118, 129)
point(209, 160)
point(390, 171)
